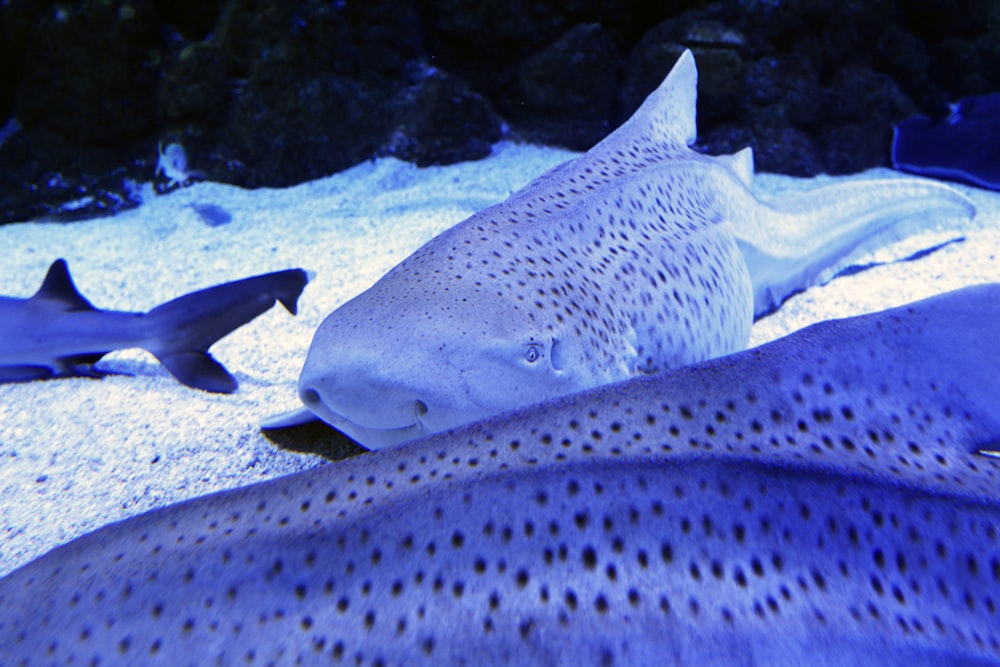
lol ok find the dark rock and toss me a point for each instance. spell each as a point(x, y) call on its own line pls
point(776, 147)
point(853, 147)
point(286, 129)
point(962, 63)
point(908, 60)
point(720, 83)
point(271, 93)
point(441, 121)
point(10, 74)
point(786, 89)
point(567, 90)
point(856, 131)
point(786, 150)
point(314, 86)
point(92, 74)
point(486, 41)
point(193, 19)
point(939, 19)
point(857, 94)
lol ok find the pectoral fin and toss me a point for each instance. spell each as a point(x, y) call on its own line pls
point(199, 370)
point(289, 419)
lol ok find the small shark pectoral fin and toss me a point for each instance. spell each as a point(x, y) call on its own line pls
point(199, 370)
point(80, 365)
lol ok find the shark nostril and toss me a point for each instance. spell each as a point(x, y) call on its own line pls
point(420, 408)
point(310, 397)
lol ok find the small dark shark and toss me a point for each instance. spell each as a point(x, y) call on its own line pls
point(963, 147)
point(818, 500)
point(59, 333)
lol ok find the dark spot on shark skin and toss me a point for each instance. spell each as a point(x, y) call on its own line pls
point(796, 535)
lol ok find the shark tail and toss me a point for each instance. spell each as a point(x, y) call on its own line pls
point(821, 229)
point(182, 330)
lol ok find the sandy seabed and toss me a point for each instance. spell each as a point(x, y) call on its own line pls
point(76, 454)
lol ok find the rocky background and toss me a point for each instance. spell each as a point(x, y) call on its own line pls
point(275, 92)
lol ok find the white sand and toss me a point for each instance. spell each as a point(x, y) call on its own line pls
point(76, 454)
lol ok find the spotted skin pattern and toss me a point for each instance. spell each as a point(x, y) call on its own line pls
point(589, 299)
point(800, 502)
point(639, 256)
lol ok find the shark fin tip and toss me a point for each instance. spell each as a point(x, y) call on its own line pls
point(58, 286)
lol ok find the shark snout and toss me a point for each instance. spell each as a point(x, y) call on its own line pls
point(373, 420)
point(370, 406)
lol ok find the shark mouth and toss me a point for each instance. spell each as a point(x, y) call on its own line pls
point(378, 438)
point(373, 437)
point(405, 424)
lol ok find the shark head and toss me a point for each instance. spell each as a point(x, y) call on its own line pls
point(453, 351)
point(583, 277)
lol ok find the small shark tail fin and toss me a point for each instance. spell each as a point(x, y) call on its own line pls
point(805, 238)
point(182, 330)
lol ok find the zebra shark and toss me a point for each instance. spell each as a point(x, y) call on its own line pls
point(639, 256)
point(817, 500)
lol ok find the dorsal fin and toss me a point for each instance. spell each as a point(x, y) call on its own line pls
point(667, 116)
point(58, 286)
point(741, 164)
point(662, 128)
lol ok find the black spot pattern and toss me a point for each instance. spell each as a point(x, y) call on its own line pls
point(620, 262)
point(426, 550)
point(919, 571)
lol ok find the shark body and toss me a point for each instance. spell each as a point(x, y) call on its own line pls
point(639, 256)
point(817, 500)
point(57, 332)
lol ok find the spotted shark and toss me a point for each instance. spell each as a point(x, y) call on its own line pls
point(639, 256)
point(58, 332)
point(818, 500)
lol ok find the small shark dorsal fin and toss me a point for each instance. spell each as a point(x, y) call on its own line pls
point(58, 286)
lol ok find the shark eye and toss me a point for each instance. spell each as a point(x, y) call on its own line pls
point(532, 354)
